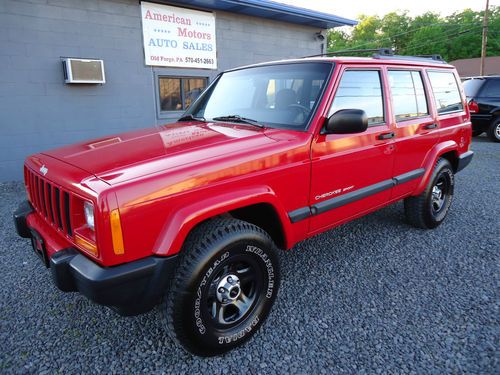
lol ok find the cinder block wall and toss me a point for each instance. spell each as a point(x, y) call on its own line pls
point(38, 111)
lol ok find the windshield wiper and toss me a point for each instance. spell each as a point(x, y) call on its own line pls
point(238, 118)
point(190, 117)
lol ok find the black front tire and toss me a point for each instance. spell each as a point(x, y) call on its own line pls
point(224, 287)
point(429, 209)
point(494, 130)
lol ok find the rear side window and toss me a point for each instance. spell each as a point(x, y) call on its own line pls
point(491, 88)
point(408, 95)
point(446, 93)
point(360, 89)
point(472, 86)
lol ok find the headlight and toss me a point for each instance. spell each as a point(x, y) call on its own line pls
point(88, 209)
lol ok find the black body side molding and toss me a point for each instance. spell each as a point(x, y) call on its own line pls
point(300, 214)
point(330, 204)
point(405, 177)
point(353, 196)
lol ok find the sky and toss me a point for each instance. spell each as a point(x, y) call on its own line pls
point(351, 9)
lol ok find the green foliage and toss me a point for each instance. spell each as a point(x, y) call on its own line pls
point(457, 36)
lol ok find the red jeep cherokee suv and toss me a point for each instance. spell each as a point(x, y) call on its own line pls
point(192, 214)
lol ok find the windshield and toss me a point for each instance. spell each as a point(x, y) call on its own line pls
point(280, 96)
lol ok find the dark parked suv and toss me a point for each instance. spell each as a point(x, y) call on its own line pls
point(483, 96)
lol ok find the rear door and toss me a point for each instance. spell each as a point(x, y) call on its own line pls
point(416, 126)
point(351, 173)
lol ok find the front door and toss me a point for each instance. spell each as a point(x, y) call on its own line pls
point(352, 173)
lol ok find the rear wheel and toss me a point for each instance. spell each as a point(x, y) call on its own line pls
point(430, 208)
point(494, 130)
point(224, 288)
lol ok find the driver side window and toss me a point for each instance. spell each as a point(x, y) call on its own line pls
point(360, 89)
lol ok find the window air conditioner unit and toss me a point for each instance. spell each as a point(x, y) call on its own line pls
point(83, 70)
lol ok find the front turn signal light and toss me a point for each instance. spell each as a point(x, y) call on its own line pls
point(116, 232)
point(86, 244)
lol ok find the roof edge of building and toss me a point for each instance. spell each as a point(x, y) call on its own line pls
point(271, 10)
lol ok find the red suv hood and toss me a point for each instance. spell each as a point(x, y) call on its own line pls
point(129, 155)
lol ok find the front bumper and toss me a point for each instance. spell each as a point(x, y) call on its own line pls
point(20, 216)
point(129, 289)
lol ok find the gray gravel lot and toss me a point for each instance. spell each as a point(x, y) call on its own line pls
point(373, 296)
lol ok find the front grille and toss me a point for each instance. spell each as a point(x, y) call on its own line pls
point(50, 201)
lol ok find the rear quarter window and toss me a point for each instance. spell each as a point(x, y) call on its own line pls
point(472, 86)
point(446, 93)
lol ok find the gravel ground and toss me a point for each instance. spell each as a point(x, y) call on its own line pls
point(373, 296)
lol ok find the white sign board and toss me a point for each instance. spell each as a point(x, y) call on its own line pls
point(178, 37)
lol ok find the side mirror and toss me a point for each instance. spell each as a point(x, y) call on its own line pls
point(346, 121)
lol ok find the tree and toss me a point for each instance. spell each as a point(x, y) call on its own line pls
point(337, 40)
point(454, 37)
point(394, 27)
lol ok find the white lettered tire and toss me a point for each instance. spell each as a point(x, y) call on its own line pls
point(224, 287)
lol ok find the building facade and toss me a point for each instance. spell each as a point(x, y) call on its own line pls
point(472, 67)
point(39, 110)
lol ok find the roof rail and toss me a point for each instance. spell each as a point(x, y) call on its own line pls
point(381, 51)
point(433, 57)
point(389, 54)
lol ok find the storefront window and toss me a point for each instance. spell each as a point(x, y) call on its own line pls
point(177, 94)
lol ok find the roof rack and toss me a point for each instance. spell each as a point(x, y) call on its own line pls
point(353, 52)
point(384, 53)
point(387, 53)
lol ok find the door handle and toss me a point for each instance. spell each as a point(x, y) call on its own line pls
point(386, 135)
point(431, 126)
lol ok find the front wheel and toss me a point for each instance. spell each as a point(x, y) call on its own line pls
point(494, 130)
point(224, 287)
point(429, 209)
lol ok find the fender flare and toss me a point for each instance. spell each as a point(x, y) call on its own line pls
point(495, 112)
point(180, 223)
point(430, 160)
